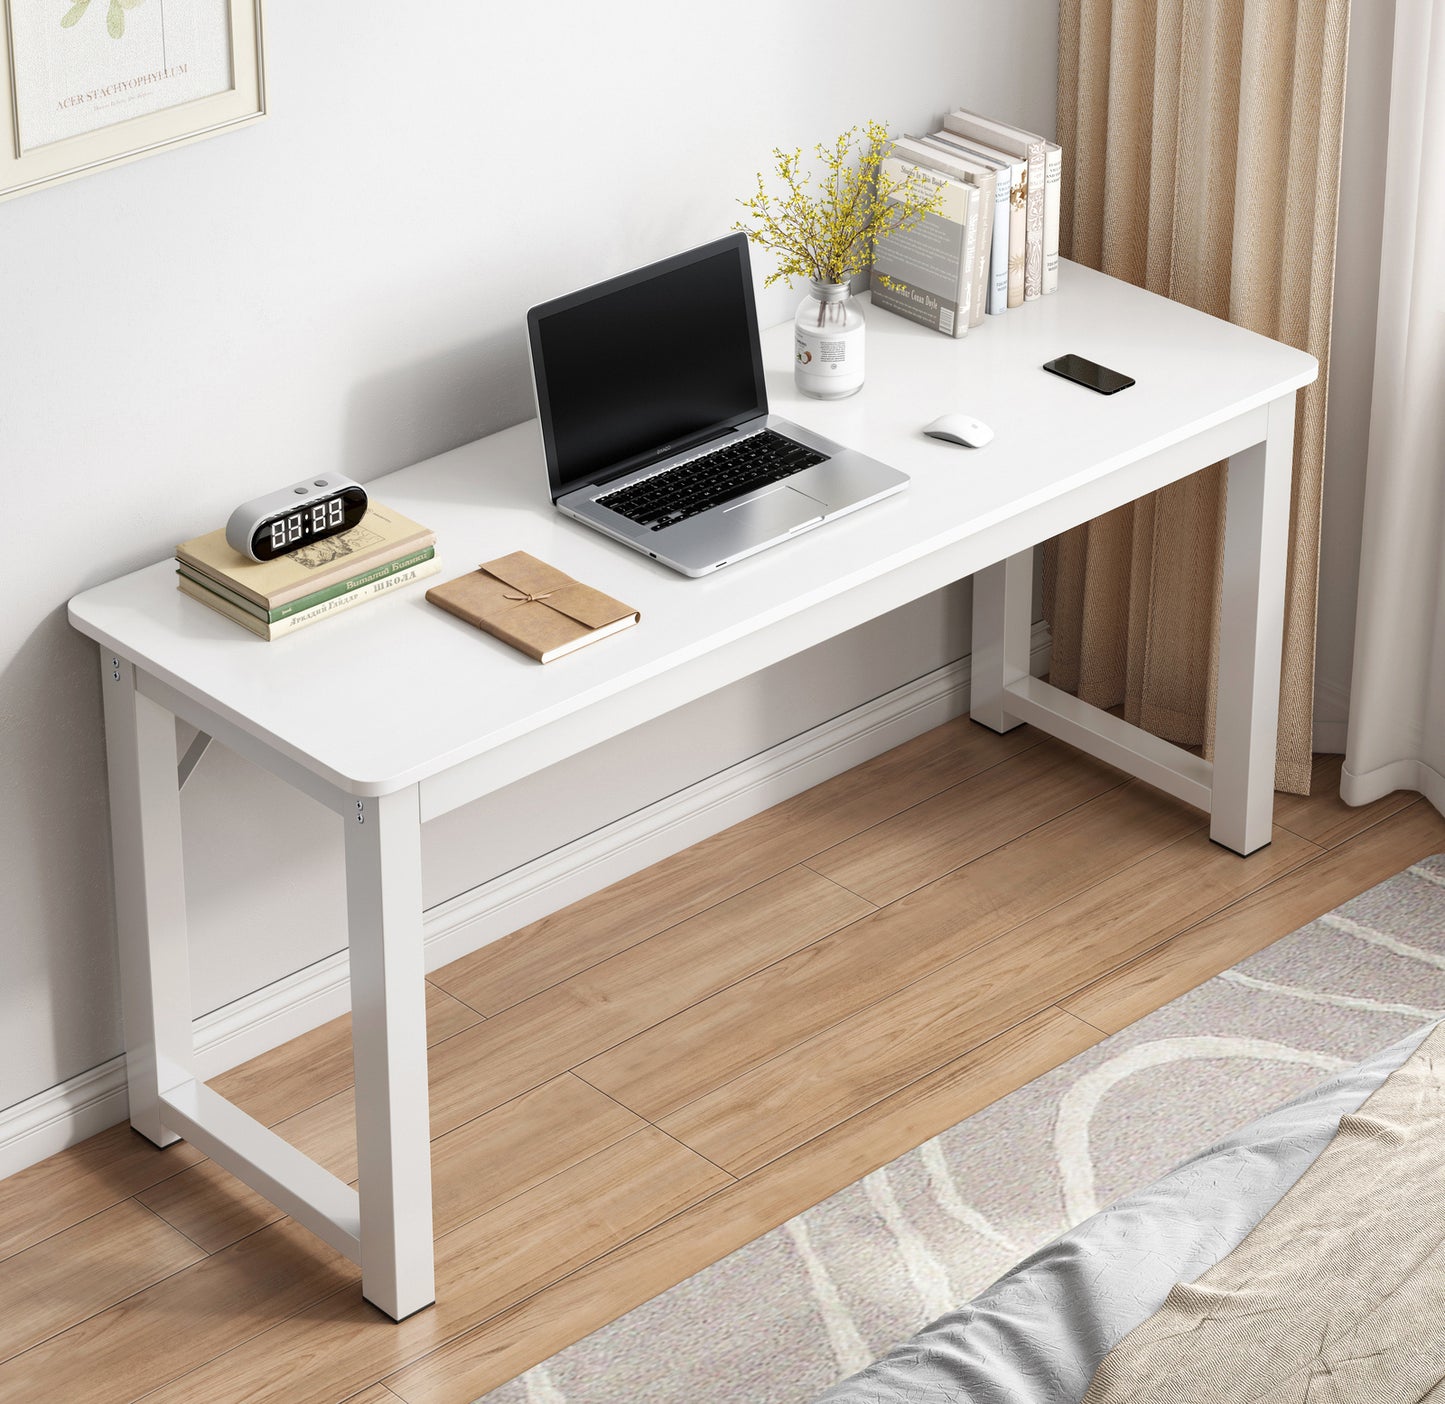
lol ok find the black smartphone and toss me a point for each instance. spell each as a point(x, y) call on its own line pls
point(1089, 373)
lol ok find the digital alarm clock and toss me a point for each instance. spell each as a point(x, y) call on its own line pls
point(293, 517)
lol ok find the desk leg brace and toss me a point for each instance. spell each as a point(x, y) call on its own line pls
point(388, 1029)
point(150, 895)
point(1251, 634)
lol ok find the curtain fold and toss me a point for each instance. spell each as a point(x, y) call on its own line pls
point(1397, 696)
point(1202, 153)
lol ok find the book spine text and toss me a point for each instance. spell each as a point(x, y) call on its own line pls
point(998, 250)
point(291, 623)
point(357, 582)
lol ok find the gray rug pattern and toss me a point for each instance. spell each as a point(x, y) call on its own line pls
point(822, 1295)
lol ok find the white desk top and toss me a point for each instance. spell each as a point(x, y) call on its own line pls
point(398, 691)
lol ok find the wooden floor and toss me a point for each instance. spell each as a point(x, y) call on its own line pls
point(636, 1086)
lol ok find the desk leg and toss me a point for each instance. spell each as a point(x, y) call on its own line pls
point(388, 1031)
point(1002, 604)
point(150, 897)
point(1251, 630)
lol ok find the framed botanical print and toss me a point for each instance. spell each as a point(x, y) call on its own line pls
point(90, 83)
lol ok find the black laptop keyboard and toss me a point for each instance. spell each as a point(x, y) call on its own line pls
point(692, 487)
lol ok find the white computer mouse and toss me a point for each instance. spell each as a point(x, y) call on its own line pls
point(960, 429)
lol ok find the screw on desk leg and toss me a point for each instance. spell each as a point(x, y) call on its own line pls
point(150, 907)
point(388, 1030)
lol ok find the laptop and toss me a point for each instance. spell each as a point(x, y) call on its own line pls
point(655, 423)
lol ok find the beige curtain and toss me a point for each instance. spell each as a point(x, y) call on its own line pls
point(1201, 160)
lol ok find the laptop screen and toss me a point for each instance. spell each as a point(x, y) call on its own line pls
point(643, 365)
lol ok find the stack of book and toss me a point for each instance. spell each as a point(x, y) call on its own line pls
point(994, 244)
point(381, 553)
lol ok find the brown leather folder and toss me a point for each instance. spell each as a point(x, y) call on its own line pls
point(533, 606)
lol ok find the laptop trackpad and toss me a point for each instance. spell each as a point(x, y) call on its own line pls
point(774, 514)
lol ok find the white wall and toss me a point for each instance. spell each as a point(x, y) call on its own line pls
point(1352, 359)
point(342, 286)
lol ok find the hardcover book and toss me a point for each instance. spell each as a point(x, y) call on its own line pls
point(381, 535)
point(304, 602)
point(920, 152)
point(998, 253)
point(288, 625)
point(1053, 190)
point(931, 266)
point(538, 609)
point(1030, 147)
point(1018, 195)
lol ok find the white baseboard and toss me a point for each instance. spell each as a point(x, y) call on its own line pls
point(95, 1099)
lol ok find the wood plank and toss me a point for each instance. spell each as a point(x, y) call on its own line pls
point(520, 1337)
point(658, 1071)
point(510, 1151)
point(490, 1263)
point(965, 821)
point(298, 1074)
point(1323, 817)
point(176, 1325)
point(821, 1082)
point(492, 1157)
point(88, 1267)
point(445, 1014)
point(377, 1394)
point(210, 1206)
point(327, 1133)
point(75, 1183)
point(475, 1168)
point(1142, 985)
point(558, 946)
point(550, 1032)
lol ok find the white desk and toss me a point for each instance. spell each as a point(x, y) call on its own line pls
point(397, 712)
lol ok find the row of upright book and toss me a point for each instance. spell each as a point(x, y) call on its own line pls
point(995, 243)
point(381, 553)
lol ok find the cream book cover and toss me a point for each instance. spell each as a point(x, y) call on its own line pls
point(977, 172)
point(931, 266)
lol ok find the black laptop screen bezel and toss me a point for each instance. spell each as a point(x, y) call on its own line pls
point(737, 244)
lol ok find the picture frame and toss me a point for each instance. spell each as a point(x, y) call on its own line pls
point(86, 84)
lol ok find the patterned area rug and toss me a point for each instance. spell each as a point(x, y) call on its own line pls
point(783, 1318)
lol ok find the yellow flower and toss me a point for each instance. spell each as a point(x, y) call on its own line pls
point(830, 232)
